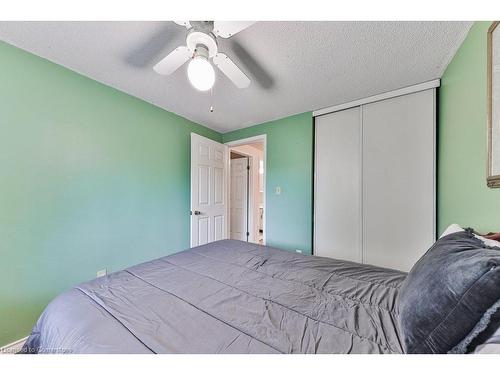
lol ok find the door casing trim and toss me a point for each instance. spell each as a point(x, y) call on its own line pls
point(262, 138)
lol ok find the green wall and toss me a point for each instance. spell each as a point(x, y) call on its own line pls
point(90, 178)
point(289, 165)
point(463, 196)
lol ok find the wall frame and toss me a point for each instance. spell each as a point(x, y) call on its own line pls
point(493, 87)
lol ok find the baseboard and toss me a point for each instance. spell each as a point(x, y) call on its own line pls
point(13, 347)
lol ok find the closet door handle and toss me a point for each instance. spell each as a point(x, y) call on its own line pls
point(196, 213)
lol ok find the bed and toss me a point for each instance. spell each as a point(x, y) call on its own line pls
point(228, 297)
point(236, 297)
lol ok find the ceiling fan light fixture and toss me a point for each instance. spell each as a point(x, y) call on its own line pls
point(202, 52)
point(200, 72)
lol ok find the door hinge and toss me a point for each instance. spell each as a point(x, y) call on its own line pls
point(248, 167)
point(248, 234)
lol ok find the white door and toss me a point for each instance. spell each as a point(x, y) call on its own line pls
point(239, 199)
point(337, 226)
point(209, 167)
point(398, 179)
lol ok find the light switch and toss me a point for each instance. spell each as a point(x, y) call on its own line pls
point(101, 273)
point(277, 190)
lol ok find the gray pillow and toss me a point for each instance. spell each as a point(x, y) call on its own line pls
point(488, 341)
point(450, 294)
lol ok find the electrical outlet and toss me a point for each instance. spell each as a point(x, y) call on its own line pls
point(298, 251)
point(101, 273)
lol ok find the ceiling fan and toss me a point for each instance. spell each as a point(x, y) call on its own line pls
point(201, 46)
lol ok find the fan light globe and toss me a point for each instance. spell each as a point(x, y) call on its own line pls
point(201, 73)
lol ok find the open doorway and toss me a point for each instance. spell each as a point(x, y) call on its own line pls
point(247, 195)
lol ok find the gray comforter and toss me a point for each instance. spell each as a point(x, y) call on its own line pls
point(227, 297)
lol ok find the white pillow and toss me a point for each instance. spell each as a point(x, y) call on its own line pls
point(454, 228)
point(489, 347)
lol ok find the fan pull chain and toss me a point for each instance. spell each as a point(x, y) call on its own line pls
point(211, 100)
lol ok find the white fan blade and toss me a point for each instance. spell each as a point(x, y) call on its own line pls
point(186, 24)
point(173, 60)
point(226, 29)
point(229, 68)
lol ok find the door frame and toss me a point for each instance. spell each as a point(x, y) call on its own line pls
point(249, 183)
point(262, 138)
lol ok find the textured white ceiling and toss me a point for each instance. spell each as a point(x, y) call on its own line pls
point(294, 66)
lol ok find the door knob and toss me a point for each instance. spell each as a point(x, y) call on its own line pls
point(197, 213)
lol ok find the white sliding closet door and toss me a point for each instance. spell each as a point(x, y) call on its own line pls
point(398, 179)
point(374, 190)
point(337, 200)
